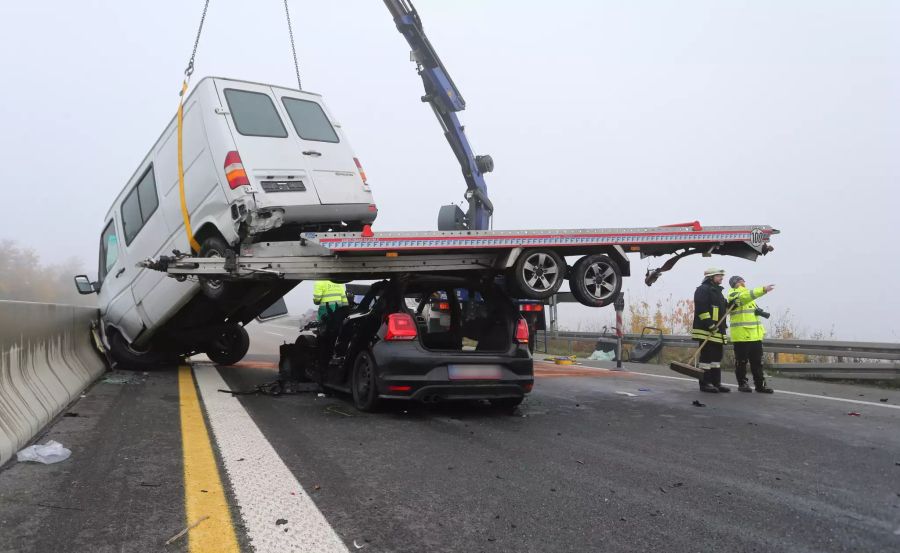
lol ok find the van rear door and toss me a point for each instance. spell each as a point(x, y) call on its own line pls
point(328, 155)
point(267, 152)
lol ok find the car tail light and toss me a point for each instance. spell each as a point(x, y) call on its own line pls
point(522, 331)
point(443, 306)
point(362, 173)
point(531, 307)
point(399, 388)
point(401, 326)
point(527, 387)
point(234, 170)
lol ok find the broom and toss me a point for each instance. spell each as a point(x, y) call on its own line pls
point(690, 368)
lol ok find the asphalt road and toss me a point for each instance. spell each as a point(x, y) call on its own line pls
point(595, 460)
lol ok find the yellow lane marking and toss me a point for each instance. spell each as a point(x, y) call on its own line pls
point(204, 494)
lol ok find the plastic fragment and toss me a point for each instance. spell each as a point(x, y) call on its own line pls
point(696, 403)
point(854, 414)
point(48, 453)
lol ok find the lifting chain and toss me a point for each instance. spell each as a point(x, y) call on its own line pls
point(189, 70)
point(287, 13)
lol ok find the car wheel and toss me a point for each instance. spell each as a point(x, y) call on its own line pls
point(215, 288)
point(506, 403)
point(595, 280)
point(229, 345)
point(365, 390)
point(128, 358)
point(538, 273)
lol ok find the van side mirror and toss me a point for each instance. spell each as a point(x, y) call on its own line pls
point(84, 285)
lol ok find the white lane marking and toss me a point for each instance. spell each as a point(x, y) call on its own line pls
point(275, 334)
point(265, 489)
point(800, 394)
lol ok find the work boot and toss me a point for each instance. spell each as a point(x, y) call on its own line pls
point(744, 386)
point(715, 374)
point(764, 388)
point(723, 389)
point(707, 387)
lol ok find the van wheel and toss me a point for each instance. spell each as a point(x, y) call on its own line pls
point(229, 345)
point(363, 383)
point(595, 280)
point(538, 273)
point(215, 288)
point(128, 358)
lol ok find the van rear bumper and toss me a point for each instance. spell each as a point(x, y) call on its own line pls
point(328, 213)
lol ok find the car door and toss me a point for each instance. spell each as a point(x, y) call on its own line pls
point(328, 155)
point(114, 297)
point(267, 152)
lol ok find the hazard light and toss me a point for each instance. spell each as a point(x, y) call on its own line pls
point(522, 331)
point(234, 170)
point(401, 326)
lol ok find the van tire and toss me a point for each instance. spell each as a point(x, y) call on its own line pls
point(595, 280)
point(127, 358)
point(216, 288)
point(537, 274)
point(229, 346)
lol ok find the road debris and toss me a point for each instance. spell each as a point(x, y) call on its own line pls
point(629, 394)
point(854, 414)
point(71, 414)
point(186, 530)
point(358, 546)
point(48, 453)
point(696, 403)
point(281, 521)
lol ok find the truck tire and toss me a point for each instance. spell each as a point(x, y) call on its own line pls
point(538, 273)
point(229, 345)
point(128, 358)
point(595, 280)
point(215, 288)
point(364, 383)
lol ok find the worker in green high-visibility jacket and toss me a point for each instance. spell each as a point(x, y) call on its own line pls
point(329, 296)
point(746, 333)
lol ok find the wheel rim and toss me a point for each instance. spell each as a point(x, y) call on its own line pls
point(363, 376)
point(600, 280)
point(540, 272)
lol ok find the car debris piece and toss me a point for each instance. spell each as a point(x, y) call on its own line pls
point(48, 453)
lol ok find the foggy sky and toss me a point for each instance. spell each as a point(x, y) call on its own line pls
point(597, 114)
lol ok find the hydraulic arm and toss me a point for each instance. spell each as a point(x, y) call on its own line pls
point(444, 98)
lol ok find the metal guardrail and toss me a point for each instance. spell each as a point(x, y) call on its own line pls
point(838, 368)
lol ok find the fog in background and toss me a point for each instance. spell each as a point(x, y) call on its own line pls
point(597, 114)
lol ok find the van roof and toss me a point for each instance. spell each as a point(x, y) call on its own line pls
point(193, 89)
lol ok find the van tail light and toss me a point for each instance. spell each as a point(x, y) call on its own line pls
point(401, 326)
point(234, 170)
point(362, 173)
point(522, 331)
point(531, 307)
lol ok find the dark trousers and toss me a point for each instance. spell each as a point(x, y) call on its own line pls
point(751, 352)
point(711, 353)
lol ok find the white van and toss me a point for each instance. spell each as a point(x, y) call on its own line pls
point(260, 163)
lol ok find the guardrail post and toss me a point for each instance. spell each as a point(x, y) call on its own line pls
point(619, 305)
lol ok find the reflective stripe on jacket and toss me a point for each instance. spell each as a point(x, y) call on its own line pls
point(709, 307)
point(745, 325)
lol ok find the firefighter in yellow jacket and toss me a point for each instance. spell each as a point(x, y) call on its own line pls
point(329, 296)
point(746, 333)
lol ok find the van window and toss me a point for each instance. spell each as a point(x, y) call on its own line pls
point(139, 205)
point(109, 250)
point(310, 120)
point(254, 114)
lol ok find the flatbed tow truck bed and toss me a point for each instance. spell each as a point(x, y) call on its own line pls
point(367, 255)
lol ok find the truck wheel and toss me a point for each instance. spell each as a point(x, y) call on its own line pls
point(363, 383)
point(538, 273)
point(215, 288)
point(595, 280)
point(128, 358)
point(229, 345)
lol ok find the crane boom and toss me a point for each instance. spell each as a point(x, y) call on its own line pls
point(445, 100)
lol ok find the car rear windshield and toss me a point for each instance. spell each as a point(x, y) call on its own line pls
point(254, 114)
point(309, 120)
point(461, 319)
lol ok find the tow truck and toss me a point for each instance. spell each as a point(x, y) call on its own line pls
point(531, 263)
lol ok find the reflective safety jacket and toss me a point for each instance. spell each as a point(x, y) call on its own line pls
point(329, 296)
point(745, 325)
point(709, 307)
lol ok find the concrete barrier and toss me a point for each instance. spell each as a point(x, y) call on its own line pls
point(46, 360)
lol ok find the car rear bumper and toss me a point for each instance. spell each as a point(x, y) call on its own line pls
point(407, 371)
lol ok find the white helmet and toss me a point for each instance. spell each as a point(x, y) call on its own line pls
point(712, 271)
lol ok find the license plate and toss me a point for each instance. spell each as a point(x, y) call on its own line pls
point(475, 372)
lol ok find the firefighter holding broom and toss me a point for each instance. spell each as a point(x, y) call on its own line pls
point(710, 311)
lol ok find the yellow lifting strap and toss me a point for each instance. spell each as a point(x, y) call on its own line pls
point(195, 247)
